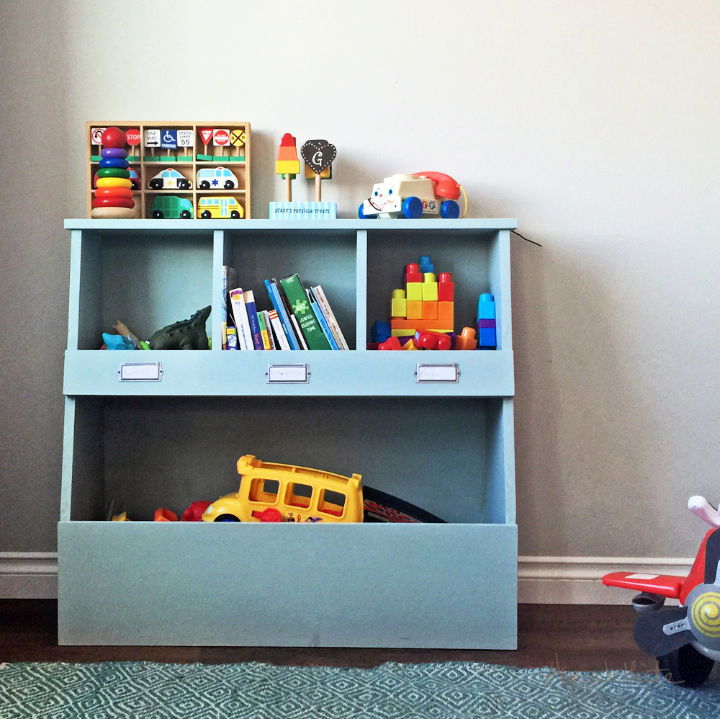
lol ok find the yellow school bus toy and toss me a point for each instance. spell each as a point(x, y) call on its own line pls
point(220, 207)
point(286, 493)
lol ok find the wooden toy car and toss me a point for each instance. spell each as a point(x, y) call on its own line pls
point(169, 179)
point(411, 196)
point(171, 207)
point(287, 493)
point(216, 178)
point(221, 207)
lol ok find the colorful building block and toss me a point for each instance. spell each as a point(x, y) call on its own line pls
point(488, 338)
point(426, 264)
point(380, 331)
point(487, 332)
point(412, 273)
point(419, 324)
point(429, 287)
point(403, 333)
point(446, 313)
point(429, 310)
point(446, 287)
point(398, 304)
point(393, 343)
point(409, 345)
point(414, 309)
point(466, 340)
point(433, 341)
point(414, 291)
point(486, 307)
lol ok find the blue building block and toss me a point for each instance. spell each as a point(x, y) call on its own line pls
point(426, 264)
point(487, 338)
point(380, 331)
point(486, 307)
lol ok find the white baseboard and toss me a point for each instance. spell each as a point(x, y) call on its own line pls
point(541, 580)
point(28, 575)
point(576, 580)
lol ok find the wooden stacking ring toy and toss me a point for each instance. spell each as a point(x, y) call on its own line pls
point(112, 172)
point(116, 152)
point(113, 202)
point(114, 162)
point(114, 182)
point(114, 213)
point(113, 137)
point(121, 192)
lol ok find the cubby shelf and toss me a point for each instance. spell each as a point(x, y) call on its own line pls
point(447, 447)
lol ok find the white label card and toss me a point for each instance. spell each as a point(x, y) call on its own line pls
point(140, 372)
point(437, 373)
point(288, 373)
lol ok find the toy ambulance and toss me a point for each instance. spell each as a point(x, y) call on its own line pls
point(272, 492)
point(216, 178)
point(411, 196)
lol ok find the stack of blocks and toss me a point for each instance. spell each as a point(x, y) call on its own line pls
point(426, 303)
point(487, 331)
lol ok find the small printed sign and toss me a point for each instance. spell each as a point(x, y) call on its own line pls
point(169, 139)
point(152, 138)
point(221, 138)
point(96, 135)
point(185, 138)
point(237, 138)
point(206, 134)
point(132, 137)
point(318, 154)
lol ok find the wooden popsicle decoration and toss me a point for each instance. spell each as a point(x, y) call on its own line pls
point(318, 155)
point(287, 163)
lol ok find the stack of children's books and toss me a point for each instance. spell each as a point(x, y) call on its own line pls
point(301, 319)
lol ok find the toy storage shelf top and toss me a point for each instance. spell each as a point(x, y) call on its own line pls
point(489, 223)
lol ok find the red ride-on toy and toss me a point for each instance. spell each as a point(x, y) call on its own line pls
point(685, 639)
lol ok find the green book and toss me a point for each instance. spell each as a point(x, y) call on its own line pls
point(300, 307)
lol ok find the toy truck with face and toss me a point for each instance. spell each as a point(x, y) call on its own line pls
point(411, 196)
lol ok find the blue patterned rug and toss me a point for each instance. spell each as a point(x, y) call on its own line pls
point(147, 690)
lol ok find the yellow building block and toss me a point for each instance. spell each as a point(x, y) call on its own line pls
point(429, 287)
point(414, 290)
point(398, 304)
point(446, 312)
point(402, 333)
point(414, 309)
point(409, 346)
point(429, 310)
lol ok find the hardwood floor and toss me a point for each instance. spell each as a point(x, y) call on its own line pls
point(568, 637)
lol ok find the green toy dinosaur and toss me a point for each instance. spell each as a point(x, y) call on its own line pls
point(184, 335)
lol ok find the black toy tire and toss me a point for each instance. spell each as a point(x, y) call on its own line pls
point(226, 518)
point(183, 185)
point(185, 214)
point(206, 214)
point(229, 184)
point(158, 214)
point(156, 184)
point(685, 667)
point(235, 215)
point(204, 185)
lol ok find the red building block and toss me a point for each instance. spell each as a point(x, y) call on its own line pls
point(446, 287)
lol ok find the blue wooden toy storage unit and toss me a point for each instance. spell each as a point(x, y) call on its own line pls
point(142, 444)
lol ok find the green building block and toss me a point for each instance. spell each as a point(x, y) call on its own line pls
point(184, 158)
point(133, 158)
point(236, 158)
point(95, 158)
point(204, 158)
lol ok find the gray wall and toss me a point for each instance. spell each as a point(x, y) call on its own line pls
point(594, 123)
